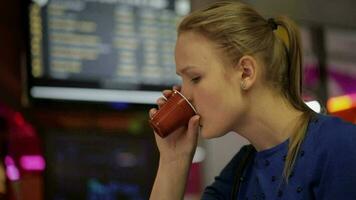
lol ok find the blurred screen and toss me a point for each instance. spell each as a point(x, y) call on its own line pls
point(99, 166)
point(102, 50)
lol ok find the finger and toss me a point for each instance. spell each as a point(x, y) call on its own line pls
point(167, 93)
point(152, 112)
point(193, 127)
point(160, 102)
point(177, 87)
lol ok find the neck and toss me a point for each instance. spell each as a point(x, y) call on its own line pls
point(269, 122)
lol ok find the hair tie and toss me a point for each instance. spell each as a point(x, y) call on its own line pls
point(272, 23)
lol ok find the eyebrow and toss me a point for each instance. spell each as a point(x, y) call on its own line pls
point(185, 69)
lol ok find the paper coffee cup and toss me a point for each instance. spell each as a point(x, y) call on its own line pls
point(176, 112)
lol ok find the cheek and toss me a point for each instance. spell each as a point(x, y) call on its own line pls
point(215, 115)
point(212, 100)
point(205, 101)
point(217, 106)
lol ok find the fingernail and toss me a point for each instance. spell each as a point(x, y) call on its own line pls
point(197, 121)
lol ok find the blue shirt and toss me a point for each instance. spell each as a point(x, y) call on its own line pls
point(325, 167)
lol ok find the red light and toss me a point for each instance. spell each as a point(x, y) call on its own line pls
point(19, 119)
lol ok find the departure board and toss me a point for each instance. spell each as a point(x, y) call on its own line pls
point(102, 47)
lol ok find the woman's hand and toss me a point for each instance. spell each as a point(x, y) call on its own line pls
point(179, 145)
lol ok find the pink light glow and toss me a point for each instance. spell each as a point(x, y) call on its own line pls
point(9, 161)
point(32, 162)
point(12, 172)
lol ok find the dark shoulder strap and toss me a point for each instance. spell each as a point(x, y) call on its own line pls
point(245, 159)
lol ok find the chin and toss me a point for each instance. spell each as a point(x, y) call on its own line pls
point(208, 134)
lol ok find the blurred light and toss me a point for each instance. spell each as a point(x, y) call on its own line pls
point(32, 162)
point(101, 95)
point(19, 119)
point(41, 2)
point(9, 161)
point(340, 103)
point(126, 159)
point(182, 7)
point(314, 105)
point(120, 106)
point(12, 172)
point(199, 155)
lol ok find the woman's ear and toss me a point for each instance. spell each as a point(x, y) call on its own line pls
point(248, 71)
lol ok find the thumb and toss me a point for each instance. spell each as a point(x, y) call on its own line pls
point(193, 127)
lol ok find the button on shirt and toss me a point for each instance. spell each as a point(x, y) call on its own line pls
point(325, 167)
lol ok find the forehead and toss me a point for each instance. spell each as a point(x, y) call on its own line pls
point(195, 38)
point(194, 49)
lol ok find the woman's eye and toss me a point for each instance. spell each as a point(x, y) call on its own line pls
point(196, 79)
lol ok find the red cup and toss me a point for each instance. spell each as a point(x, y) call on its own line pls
point(175, 113)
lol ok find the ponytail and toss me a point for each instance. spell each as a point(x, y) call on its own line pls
point(292, 89)
point(292, 46)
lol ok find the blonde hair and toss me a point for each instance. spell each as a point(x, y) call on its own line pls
point(239, 30)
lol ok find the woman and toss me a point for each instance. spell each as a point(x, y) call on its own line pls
point(243, 76)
